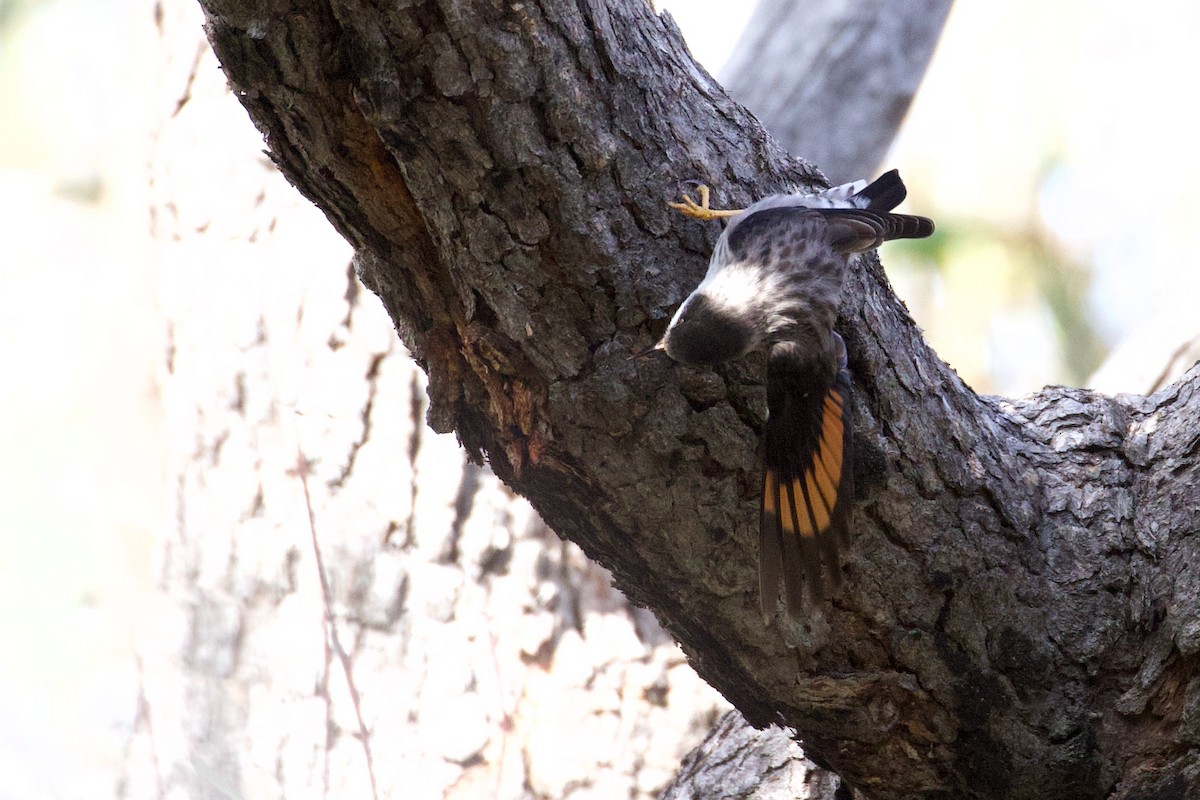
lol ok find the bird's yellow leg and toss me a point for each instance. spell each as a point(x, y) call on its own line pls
point(689, 207)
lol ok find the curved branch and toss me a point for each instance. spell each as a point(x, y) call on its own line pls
point(1020, 617)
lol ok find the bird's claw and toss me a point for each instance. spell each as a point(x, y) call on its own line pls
point(699, 208)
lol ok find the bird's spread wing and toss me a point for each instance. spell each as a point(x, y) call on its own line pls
point(807, 475)
point(794, 246)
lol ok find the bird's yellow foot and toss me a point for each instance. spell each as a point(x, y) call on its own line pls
point(698, 209)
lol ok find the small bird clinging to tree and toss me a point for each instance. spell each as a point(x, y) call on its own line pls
point(774, 281)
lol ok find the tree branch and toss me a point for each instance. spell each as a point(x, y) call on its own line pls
point(1020, 618)
point(832, 80)
point(737, 761)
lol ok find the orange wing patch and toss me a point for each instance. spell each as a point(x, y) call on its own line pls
point(806, 489)
point(770, 499)
point(804, 505)
point(829, 449)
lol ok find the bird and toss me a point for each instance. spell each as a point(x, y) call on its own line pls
point(774, 282)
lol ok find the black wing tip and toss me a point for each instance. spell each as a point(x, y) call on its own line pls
point(885, 192)
point(811, 573)
point(810, 568)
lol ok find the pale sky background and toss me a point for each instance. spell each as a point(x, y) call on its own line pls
point(1069, 119)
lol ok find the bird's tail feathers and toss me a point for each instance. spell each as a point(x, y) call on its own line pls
point(857, 229)
point(884, 193)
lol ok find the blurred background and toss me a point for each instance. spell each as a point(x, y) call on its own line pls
point(1050, 142)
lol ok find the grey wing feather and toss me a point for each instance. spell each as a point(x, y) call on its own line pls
point(854, 230)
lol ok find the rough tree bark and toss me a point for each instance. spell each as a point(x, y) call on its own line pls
point(1021, 615)
point(344, 608)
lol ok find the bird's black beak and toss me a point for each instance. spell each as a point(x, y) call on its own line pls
point(648, 351)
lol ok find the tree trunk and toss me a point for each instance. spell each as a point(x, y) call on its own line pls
point(831, 79)
point(345, 607)
point(735, 760)
point(1020, 618)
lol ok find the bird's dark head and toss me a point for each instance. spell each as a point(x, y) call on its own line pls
point(705, 332)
